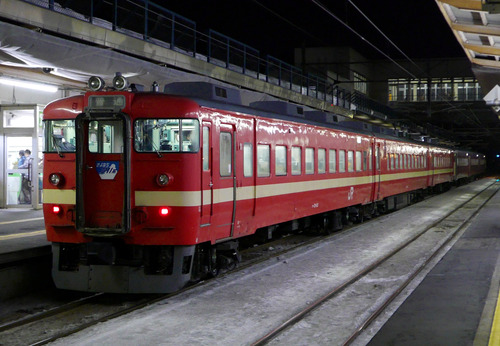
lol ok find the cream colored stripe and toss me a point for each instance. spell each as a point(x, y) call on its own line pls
point(57, 196)
point(170, 198)
point(303, 186)
point(193, 198)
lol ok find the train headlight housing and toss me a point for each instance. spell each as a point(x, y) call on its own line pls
point(96, 83)
point(120, 82)
point(163, 179)
point(56, 179)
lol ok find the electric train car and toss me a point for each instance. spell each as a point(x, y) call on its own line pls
point(147, 191)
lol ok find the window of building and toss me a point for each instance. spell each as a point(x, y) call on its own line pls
point(360, 83)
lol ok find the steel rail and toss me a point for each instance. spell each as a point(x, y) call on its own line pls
point(335, 291)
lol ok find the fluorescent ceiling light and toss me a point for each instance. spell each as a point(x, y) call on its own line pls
point(28, 84)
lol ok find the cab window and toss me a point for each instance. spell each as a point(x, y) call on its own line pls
point(60, 136)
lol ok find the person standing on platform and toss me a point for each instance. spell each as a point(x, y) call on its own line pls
point(25, 195)
point(21, 159)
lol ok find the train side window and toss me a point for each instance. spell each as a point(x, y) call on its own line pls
point(350, 161)
point(365, 160)
point(405, 158)
point(225, 154)
point(369, 158)
point(396, 161)
point(392, 161)
point(321, 161)
point(377, 158)
point(280, 160)
point(332, 162)
point(206, 148)
point(309, 161)
point(359, 168)
point(247, 160)
point(263, 157)
point(296, 160)
point(341, 161)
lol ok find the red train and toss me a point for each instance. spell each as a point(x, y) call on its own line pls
point(144, 192)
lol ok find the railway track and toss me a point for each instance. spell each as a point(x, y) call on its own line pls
point(72, 317)
point(450, 227)
point(60, 321)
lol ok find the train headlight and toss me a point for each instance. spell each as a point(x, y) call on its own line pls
point(56, 179)
point(120, 82)
point(96, 83)
point(164, 211)
point(163, 179)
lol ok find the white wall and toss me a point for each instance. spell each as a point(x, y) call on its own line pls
point(16, 95)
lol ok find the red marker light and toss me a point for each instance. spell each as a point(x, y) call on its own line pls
point(56, 209)
point(164, 211)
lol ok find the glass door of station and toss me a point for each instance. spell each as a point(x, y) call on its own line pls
point(21, 156)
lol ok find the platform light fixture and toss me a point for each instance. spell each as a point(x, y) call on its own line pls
point(28, 84)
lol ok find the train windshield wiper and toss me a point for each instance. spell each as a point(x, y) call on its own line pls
point(58, 149)
point(157, 150)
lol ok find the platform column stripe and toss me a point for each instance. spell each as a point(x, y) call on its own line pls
point(495, 327)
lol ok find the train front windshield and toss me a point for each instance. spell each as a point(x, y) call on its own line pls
point(60, 136)
point(166, 135)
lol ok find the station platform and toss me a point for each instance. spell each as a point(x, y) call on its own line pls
point(455, 303)
point(21, 229)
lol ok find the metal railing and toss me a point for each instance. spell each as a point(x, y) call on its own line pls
point(146, 20)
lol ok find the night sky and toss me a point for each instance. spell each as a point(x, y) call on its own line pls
point(276, 27)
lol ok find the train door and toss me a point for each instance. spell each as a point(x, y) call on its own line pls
point(376, 148)
point(224, 189)
point(103, 171)
point(206, 174)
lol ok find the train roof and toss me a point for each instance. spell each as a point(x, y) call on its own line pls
point(226, 98)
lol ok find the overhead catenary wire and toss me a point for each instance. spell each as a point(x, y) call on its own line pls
point(386, 37)
point(330, 13)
